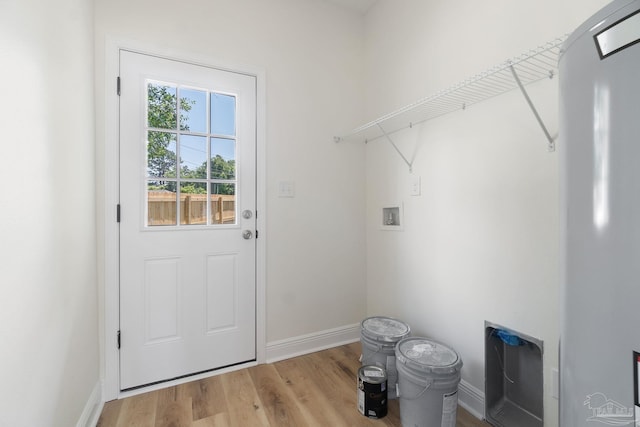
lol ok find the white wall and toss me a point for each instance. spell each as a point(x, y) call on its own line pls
point(312, 54)
point(48, 322)
point(481, 241)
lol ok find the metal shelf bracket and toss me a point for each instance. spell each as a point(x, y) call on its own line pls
point(551, 146)
point(386, 135)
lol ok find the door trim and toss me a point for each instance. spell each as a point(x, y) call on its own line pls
point(108, 265)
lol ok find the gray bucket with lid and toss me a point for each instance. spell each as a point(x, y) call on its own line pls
point(428, 378)
point(379, 336)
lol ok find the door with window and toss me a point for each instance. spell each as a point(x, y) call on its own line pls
point(187, 219)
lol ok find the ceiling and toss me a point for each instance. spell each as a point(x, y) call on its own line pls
point(361, 6)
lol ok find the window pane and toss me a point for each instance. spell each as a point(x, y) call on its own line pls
point(193, 110)
point(223, 114)
point(223, 203)
point(161, 203)
point(161, 154)
point(193, 157)
point(193, 203)
point(223, 158)
point(161, 106)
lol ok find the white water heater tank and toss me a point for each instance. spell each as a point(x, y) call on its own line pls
point(599, 151)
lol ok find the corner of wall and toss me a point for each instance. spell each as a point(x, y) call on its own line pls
point(93, 408)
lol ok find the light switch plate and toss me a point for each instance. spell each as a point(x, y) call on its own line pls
point(286, 189)
point(415, 185)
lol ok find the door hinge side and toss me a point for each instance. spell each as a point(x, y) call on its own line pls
point(256, 234)
point(118, 212)
point(119, 340)
point(118, 85)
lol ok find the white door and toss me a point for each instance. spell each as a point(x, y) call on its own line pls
point(187, 219)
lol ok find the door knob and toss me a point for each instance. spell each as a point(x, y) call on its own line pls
point(247, 234)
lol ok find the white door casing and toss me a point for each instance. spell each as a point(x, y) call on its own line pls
point(187, 292)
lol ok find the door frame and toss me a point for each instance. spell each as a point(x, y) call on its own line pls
point(109, 295)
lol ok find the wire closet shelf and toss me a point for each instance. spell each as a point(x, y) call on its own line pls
point(530, 67)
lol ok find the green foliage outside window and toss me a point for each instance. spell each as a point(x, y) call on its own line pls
point(161, 157)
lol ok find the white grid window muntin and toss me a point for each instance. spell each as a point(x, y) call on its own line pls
point(190, 163)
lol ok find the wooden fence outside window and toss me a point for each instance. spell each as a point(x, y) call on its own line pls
point(193, 208)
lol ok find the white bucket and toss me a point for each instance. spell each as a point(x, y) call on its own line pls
point(379, 336)
point(428, 378)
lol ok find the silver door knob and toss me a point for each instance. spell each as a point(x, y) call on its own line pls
point(247, 234)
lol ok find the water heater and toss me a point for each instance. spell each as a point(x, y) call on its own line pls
point(600, 199)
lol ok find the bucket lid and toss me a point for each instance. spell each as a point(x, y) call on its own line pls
point(384, 329)
point(427, 356)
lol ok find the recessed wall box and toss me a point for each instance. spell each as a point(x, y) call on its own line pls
point(513, 378)
point(392, 217)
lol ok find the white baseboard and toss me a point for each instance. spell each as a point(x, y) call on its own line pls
point(309, 343)
point(471, 399)
point(93, 408)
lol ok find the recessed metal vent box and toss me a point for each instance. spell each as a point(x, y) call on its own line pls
point(513, 378)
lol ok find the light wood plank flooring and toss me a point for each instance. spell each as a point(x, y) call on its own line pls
point(317, 389)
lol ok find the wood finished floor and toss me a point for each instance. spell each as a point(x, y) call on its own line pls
point(317, 389)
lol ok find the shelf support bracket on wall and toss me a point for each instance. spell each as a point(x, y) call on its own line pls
point(551, 146)
point(386, 135)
